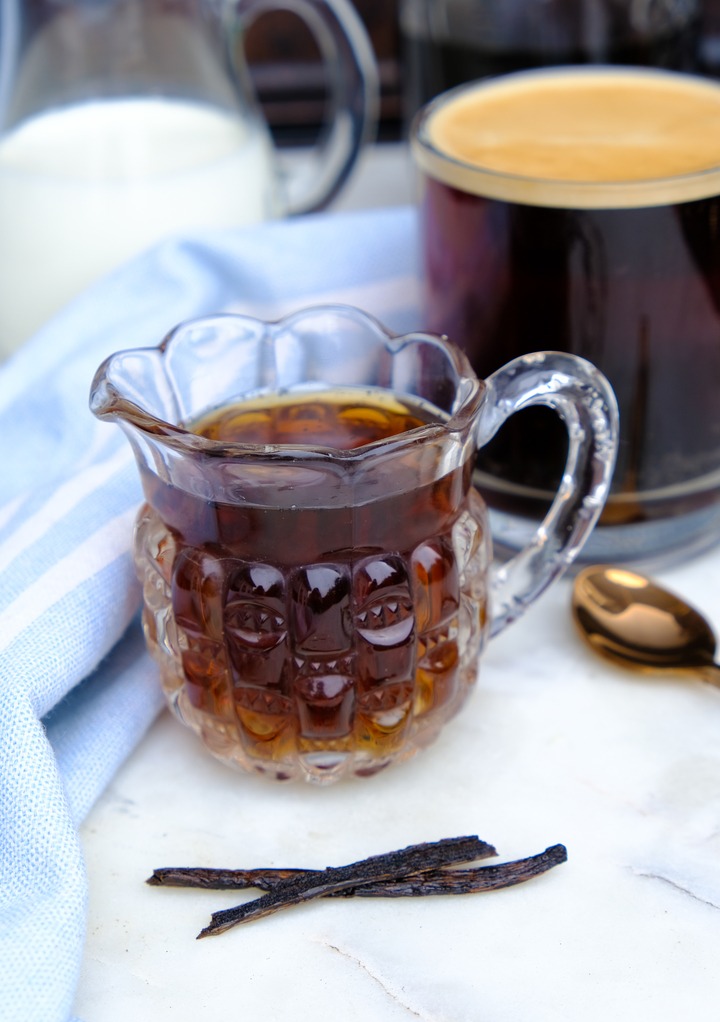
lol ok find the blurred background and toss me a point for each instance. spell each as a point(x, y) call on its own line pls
point(405, 35)
point(288, 75)
point(84, 175)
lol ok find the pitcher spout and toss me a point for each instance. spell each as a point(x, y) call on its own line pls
point(125, 390)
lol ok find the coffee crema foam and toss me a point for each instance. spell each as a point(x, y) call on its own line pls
point(577, 137)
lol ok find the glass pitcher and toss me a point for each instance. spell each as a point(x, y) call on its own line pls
point(125, 121)
point(316, 564)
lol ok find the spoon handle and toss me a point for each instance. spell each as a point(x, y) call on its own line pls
point(711, 674)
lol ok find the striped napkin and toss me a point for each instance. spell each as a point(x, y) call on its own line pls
point(77, 689)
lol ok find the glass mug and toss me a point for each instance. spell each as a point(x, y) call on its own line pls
point(316, 565)
point(577, 208)
point(126, 121)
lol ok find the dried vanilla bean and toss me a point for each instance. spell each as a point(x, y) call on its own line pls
point(417, 871)
point(298, 889)
point(263, 879)
point(222, 879)
point(463, 881)
point(443, 880)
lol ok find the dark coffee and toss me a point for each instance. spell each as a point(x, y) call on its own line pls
point(635, 289)
point(637, 292)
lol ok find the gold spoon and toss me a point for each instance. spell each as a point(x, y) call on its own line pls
point(634, 622)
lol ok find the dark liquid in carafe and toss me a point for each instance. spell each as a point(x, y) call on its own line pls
point(300, 619)
point(341, 420)
point(277, 521)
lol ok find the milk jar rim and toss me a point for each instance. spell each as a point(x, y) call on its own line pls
point(528, 190)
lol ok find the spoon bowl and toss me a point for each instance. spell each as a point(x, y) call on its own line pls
point(636, 623)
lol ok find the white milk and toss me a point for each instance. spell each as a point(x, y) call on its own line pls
point(84, 188)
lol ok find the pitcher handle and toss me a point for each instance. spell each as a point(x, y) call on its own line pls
point(585, 402)
point(352, 72)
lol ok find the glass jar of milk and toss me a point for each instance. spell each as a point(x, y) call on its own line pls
point(127, 121)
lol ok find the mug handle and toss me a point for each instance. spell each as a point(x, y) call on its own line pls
point(353, 78)
point(586, 403)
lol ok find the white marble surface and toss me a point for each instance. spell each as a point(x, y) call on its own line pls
point(553, 746)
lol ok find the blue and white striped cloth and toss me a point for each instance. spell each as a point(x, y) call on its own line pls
point(77, 689)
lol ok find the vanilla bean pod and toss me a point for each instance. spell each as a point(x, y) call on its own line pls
point(298, 889)
point(443, 880)
point(462, 881)
point(264, 879)
point(223, 879)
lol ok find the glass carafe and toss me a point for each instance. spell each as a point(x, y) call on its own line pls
point(127, 121)
point(317, 597)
